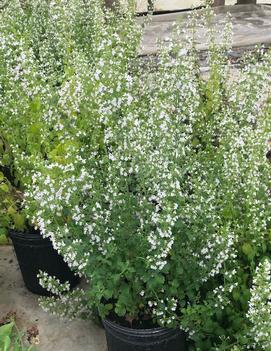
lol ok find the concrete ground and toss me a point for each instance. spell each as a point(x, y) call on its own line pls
point(54, 334)
point(251, 26)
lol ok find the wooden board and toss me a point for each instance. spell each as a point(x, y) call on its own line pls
point(251, 26)
point(173, 5)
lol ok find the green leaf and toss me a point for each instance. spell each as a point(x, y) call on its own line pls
point(120, 310)
point(156, 282)
point(3, 231)
point(35, 129)
point(7, 343)
point(5, 160)
point(236, 295)
point(4, 187)
point(36, 104)
point(4, 220)
point(19, 221)
point(248, 250)
point(125, 297)
point(3, 239)
point(107, 294)
point(11, 210)
point(104, 309)
point(16, 346)
point(1, 147)
point(5, 330)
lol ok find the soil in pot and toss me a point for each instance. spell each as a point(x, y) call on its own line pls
point(120, 338)
point(34, 253)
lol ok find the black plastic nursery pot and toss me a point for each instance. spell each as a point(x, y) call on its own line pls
point(34, 253)
point(121, 338)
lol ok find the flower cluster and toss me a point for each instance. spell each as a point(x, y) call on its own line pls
point(259, 312)
point(70, 305)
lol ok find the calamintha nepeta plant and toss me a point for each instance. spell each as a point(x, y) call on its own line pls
point(157, 190)
point(48, 52)
point(259, 312)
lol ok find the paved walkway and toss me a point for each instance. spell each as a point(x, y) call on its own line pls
point(55, 334)
point(251, 26)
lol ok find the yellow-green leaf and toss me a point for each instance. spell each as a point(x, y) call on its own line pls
point(4, 187)
point(18, 220)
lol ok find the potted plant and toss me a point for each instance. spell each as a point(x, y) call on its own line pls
point(167, 215)
point(34, 253)
point(40, 99)
point(167, 219)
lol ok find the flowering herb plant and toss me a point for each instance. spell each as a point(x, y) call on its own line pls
point(46, 50)
point(158, 191)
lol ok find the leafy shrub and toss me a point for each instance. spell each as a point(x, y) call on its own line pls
point(45, 50)
point(10, 209)
point(259, 312)
point(156, 185)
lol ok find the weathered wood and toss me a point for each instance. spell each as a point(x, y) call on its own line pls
point(251, 26)
point(239, 2)
point(219, 2)
point(109, 3)
point(245, 2)
point(174, 5)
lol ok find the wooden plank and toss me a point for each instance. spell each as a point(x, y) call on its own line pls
point(173, 5)
point(251, 26)
point(219, 2)
point(242, 2)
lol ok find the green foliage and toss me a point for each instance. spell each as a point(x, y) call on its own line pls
point(5, 334)
point(152, 184)
point(45, 49)
point(11, 216)
point(169, 217)
point(11, 339)
point(259, 312)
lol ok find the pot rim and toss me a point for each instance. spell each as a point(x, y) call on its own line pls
point(28, 236)
point(138, 332)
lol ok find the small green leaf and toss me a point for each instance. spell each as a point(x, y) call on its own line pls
point(36, 104)
point(236, 295)
point(16, 346)
point(35, 129)
point(3, 239)
point(5, 330)
point(3, 231)
point(7, 343)
point(120, 310)
point(5, 160)
point(4, 187)
point(11, 210)
point(19, 221)
point(248, 250)
point(156, 282)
